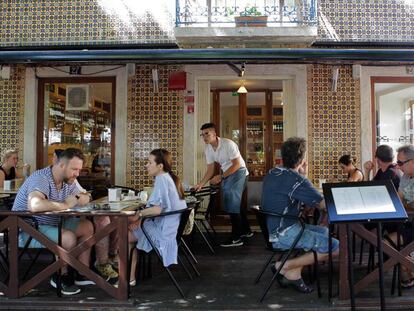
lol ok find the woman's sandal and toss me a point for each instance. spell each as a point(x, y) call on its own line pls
point(407, 283)
point(298, 285)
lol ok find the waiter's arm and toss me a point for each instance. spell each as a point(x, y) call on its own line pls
point(232, 169)
point(207, 176)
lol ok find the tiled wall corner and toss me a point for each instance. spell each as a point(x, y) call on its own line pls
point(12, 111)
point(334, 121)
point(155, 120)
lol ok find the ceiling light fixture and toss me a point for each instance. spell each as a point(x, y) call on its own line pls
point(242, 90)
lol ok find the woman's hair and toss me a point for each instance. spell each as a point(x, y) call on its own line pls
point(9, 153)
point(163, 157)
point(346, 159)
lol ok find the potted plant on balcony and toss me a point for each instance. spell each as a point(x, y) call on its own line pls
point(251, 17)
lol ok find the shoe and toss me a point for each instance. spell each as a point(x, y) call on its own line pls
point(247, 235)
point(407, 283)
point(106, 271)
point(81, 280)
point(132, 283)
point(231, 243)
point(66, 288)
point(279, 277)
point(113, 261)
point(298, 285)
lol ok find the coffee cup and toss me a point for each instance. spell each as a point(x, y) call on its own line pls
point(114, 194)
point(7, 185)
point(143, 196)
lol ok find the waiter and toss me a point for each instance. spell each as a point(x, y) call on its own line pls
point(233, 179)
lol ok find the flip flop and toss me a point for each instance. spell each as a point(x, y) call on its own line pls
point(407, 283)
point(298, 285)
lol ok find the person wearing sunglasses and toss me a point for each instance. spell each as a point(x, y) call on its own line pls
point(405, 162)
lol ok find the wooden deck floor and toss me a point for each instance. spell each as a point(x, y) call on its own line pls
point(226, 283)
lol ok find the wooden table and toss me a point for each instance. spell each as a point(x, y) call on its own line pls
point(12, 222)
point(394, 257)
point(12, 191)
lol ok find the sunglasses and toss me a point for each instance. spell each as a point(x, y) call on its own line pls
point(401, 163)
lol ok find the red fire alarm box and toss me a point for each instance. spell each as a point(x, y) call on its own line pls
point(177, 81)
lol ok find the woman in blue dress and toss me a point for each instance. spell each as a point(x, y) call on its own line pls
point(167, 196)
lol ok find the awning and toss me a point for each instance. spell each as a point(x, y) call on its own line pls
point(250, 55)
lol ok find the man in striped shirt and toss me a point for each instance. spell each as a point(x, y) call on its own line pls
point(53, 189)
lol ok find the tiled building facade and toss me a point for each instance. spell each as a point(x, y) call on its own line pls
point(333, 118)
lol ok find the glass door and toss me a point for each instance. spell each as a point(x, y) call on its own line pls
point(80, 115)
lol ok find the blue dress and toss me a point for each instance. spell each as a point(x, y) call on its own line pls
point(162, 230)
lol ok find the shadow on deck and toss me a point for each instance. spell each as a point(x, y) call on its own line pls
point(226, 283)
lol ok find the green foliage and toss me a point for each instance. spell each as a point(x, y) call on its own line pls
point(251, 12)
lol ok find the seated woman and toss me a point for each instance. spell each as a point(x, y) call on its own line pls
point(347, 164)
point(8, 169)
point(167, 196)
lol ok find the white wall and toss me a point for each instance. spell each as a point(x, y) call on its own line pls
point(121, 100)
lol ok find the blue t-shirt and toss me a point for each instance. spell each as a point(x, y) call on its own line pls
point(42, 181)
point(283, 192)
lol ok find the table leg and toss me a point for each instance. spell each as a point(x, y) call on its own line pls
point(122, 293)
point(380, 264)
point(350, 270)
point(13, 260)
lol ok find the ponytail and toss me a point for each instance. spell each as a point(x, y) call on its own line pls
point(178, 184)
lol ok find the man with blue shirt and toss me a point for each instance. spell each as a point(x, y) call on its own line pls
point(285, 189)
point(53, 189)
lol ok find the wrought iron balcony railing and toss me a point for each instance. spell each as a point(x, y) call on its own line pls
point(225, 13)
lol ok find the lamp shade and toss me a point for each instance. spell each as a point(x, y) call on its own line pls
point(242, 90)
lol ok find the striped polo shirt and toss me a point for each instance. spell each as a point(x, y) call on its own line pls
point(42, 181)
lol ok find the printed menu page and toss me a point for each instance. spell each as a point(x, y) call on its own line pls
point(362, 200)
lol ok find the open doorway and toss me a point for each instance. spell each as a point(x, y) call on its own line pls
point(79, 113)
point(255, 122)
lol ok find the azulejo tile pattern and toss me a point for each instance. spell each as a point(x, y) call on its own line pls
point(366, 20)
point(334, 120)
point(155, 120)
point(63, 22)
point(12, 111)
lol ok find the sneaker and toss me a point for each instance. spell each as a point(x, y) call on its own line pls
point(66, 288)
point(247, 235)
point(113, 261)
point(106, 271)
point(81, 280)
point(231, 243)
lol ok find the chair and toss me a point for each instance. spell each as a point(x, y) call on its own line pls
point(185, 213)
point(284, 253)
point(202, 215)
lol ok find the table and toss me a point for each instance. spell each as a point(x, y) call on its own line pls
point(12, 221)
point(12, 191)
point(394, 257)
point(4, 195)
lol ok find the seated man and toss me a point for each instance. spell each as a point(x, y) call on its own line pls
point(53, 189)
point(405, 162)
point(284, 190)
point(106, 248)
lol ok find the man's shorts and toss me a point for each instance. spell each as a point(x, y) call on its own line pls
point(313, 238)
point(51, 232)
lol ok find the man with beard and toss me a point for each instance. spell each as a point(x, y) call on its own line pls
point(53, 189)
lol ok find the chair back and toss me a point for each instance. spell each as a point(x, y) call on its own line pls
point(261, 219)
point(185, 214)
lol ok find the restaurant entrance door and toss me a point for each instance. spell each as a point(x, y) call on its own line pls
point(79, 113)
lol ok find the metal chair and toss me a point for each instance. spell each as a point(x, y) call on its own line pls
point(203, 215)
point(185, 213)
point(284, 253)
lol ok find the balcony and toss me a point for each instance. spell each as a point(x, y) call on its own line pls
point(260, 21)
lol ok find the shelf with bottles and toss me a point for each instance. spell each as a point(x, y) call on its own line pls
point(277, 126)
point(255, 129)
